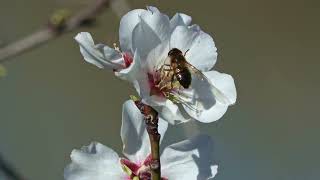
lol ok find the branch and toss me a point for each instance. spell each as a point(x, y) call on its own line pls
point(53, 30)
point(151, 120)
point(9, 171)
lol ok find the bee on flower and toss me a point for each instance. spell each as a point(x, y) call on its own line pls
point(169, 62)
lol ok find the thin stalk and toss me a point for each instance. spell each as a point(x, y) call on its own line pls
point(151, 119)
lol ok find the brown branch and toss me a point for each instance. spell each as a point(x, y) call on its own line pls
point(52, 30)
point(9, 170)
point(151, 120)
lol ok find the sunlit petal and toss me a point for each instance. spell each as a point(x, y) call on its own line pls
point(100, 55)
point(95, 161)
point(189, 160)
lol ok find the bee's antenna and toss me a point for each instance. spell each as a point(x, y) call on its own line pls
point(186, 52)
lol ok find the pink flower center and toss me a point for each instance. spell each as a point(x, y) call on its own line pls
point(128, 59)
point(140, 170)
point(153, 81)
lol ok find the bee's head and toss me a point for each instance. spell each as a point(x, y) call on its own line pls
point(174, 52)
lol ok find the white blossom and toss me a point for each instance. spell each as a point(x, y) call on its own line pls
point(188, 160)
point(146, 37)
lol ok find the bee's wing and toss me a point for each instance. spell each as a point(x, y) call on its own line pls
point(202, 84)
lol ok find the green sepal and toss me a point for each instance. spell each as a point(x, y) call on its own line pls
point(134, 98)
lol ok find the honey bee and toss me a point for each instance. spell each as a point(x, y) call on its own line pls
point(178, 75)
point(177, 69)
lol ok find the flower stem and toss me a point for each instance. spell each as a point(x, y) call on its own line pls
point(151, 120)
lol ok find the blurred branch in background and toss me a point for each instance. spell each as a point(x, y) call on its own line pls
point(3, 71)
point(59, 23)
point(9, 171)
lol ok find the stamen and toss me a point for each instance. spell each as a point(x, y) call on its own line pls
point(116, 47)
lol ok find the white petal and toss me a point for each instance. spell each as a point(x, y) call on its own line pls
point(100, 55)
point(182, 38)
point(171, 113)
point(153, 9)
point(134, 135)
point(156, 57)
point(209, 115)
point(158, 22)
point(225, 83)
point(203, 52)
point(144, 39)
point(153, 29)
point(186, 19)
point(199, 47)
point(180, 19)
point(216, 109)
point(141, 84)
point(190, 159)
point(95, 161)
point(130, 74)
point(127, 24)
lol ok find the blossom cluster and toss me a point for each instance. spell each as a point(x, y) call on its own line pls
point(169, 62)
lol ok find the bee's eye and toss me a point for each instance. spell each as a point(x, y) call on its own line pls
point(170, 52)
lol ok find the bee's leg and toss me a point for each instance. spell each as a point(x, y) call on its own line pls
point(164, 84)
point(171, 83)
point(165, 81)
point(163, 75)
point(162, 68)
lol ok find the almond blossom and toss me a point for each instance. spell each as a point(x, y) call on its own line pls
point(186, 160)
point(146, 37)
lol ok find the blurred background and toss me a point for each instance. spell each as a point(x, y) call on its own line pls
point(51, 101)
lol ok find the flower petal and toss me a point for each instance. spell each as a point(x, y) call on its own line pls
point(182, 38)
point(190, 159)
point(225, 83)
point(172, 113)
point(153, 9)
point(95, 161)
point(158, 22)
point(199, 47)
point(100, 55)
point(180, 19)
point(209, 115)
point(127, 23)
point(214, 111)
point(157, 56)
point(153, 26)
point(136, 144)
point(203, 52)
point(142, 82)
point(140, 33)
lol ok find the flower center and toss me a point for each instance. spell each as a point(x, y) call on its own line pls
point(153, 81)
point(127, 59)
point(166, 88)
point(140, 171)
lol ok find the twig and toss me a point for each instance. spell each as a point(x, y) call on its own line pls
point(9, 171)
point(151, 120)
point(52, 30)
